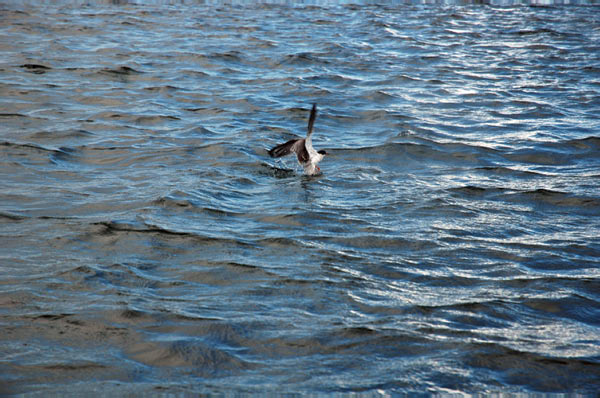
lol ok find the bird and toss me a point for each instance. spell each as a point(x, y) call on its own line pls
point(308, 157)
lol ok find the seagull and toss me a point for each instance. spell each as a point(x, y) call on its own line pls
point(308, 157)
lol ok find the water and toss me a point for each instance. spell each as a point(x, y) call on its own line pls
point(149, 243)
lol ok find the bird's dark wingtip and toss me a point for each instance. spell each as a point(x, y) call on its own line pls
point(311, 119)
point(282, 149)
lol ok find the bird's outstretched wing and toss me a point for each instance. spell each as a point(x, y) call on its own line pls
point(311, 120)
point(292, 146)
point(298, 146)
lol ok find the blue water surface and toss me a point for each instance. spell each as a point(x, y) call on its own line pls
point(149, 244)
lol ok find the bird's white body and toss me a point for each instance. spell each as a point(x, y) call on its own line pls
point(314, 158)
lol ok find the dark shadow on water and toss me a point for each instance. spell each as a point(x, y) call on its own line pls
point(277, 172)
point(311, 178)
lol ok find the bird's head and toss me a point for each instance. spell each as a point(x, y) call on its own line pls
point(322, 152)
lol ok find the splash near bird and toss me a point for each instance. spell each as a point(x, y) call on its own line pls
point(308, 157)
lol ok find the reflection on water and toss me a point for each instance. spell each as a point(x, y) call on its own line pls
point(148, 243)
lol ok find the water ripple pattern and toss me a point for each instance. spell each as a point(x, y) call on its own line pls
point(148, 243)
